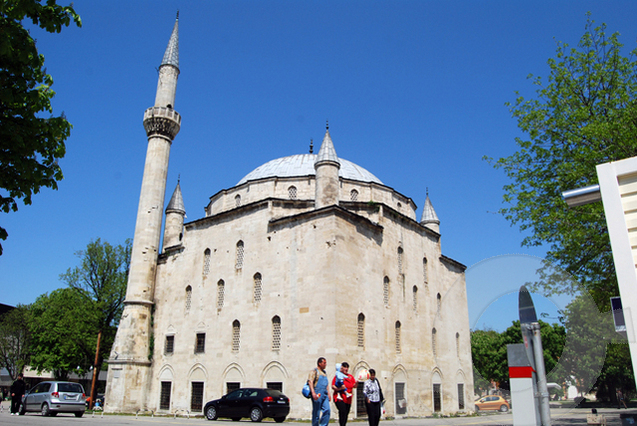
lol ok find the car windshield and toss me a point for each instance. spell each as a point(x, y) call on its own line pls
point(70, 387)
point(273, 393)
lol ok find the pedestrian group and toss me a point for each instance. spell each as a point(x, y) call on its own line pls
point(341, 391)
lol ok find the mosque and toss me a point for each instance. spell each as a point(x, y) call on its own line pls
point(308, 255)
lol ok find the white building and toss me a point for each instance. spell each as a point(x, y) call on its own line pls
point(308, 255)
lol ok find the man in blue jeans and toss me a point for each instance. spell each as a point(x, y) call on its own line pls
point(320, 394)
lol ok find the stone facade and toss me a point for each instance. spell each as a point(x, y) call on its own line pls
point(270, 279)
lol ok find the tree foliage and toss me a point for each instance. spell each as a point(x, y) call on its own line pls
point(586, 114)
point(15, 340)
point(594, 358)
point(489, 350)
point(30, 144)
point(101, 278)
point(63, 328)
point(65, 324)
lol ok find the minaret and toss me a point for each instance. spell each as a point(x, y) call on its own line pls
point(129, 366)
point(429, 217)
point(175, 212)
point(327, 167)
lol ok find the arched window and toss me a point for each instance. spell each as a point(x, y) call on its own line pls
point(386, 291)
point(400, 260)
point(361, 330)
point(239, 263)
point(425, 272)
point(236, 335)
point(206, 262)
point(292, 192)
point(415, 298)
point(221, 287)
point(188, 298)
point(256, 298)
point(398, 348)
point(237, 200)
point(353, 195)
point(276, 333)
point(433, 342)
point(438, 301)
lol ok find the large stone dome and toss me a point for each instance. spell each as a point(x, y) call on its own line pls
point(303, 165)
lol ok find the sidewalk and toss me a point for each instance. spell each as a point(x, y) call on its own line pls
point(559, 417)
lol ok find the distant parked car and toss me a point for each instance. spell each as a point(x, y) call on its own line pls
point(254, 403)
point(492, 402)
point(50, 398)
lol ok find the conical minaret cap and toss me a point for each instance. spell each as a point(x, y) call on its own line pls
point(429, 214)
point(327, 153)
point(176, 204)
point(171, 57)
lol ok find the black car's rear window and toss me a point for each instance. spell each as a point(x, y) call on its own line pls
point(273, 392)
point(70, 387)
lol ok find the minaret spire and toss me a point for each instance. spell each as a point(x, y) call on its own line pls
point(429, 217)
point(131, 350)
point(327, 167)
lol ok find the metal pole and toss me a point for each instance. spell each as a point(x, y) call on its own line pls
point(545, 410)
point(94, 382)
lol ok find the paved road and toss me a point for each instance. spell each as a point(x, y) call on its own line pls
point(559, 416)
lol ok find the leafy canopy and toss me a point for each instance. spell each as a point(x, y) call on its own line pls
point(584, 115)
point(30, 144)
point(63, 328)
point(65, 324)
point(14, 340)
point(489, 350)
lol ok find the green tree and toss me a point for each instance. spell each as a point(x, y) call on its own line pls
point(30, 144)
point(63, 328)
point(15, 340)
point(101, 278)
point(594, 358)
point(585, 115)
point(489, 350)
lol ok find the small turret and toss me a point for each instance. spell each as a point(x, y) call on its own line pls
point(175, 213)
point(429, 217)
point(327, 167)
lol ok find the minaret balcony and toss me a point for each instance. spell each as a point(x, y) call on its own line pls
point(162, 121)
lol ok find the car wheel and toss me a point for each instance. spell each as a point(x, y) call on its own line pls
point(279, 419)
point(236, 419)
point(45, 410)
point(504, 408)
point(23, 410)
point(256, 415)
point(79, 413)
point(477, 408)
point(211, 413)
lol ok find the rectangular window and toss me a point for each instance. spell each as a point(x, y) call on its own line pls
point(361, 410)
point(460, 396)
point(230, 386)
point(437, 398)
point(200, 347)
point(275, 385)
point(196, 396)
point(401, 401)
point(170, 345)
point(164, 398)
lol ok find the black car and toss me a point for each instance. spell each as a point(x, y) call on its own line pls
point(255, 403)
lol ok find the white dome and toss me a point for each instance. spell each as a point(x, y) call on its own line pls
point(303, 165)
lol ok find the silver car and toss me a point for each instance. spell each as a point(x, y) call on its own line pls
point(50, 398)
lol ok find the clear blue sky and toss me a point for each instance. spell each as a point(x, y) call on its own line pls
point(414, 92)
